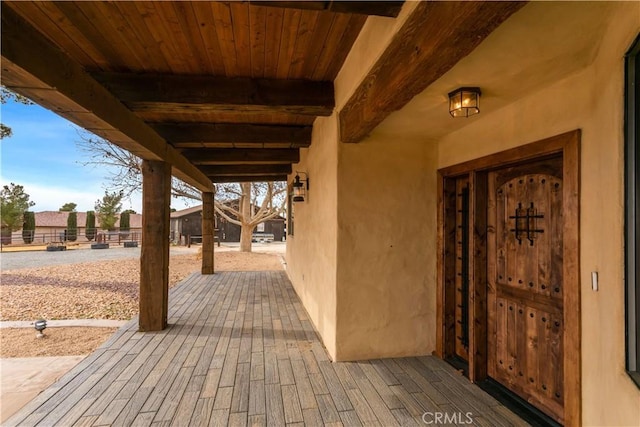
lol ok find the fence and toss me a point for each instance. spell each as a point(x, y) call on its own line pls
point(61, 235)
point(262, 237)
point(188, 239)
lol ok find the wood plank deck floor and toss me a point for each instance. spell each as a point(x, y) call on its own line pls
point(240, 350)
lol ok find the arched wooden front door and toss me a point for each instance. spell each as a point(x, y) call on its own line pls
point(525, 283)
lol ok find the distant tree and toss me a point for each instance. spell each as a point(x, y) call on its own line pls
point(5, 96)
point(125, 168)
point(90, 226)
point(68, 207)
point(108, 209)
point(130, 211)
point(72, 226)
point(28, 227)
point(124, 221)
point(233, 201)
point(248, 204)
point(13, 204)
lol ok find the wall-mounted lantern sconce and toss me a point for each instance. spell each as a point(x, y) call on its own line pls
point(300, 187)
point(464, 102)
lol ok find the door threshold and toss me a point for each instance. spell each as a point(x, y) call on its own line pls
point(516, 404)
point(459, 363)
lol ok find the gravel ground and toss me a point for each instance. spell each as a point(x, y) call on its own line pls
point(102, 289)
point(56, 341)
point(32, 259)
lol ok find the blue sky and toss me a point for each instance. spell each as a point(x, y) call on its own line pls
point(42, 156)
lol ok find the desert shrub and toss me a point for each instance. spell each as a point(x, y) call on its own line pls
point(125, 221)
point(90, 225)
point(28, 227)
point(72, 226)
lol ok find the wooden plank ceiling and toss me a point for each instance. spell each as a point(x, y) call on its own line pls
point(226, 91)
point(236, 85)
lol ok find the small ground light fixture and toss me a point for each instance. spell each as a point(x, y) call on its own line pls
point(40, 326)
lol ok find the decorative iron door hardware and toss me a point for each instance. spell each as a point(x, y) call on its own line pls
point(464, 289)
point(526, 223)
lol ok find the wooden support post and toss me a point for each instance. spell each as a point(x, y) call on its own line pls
point(208, 230)
point(154, 259)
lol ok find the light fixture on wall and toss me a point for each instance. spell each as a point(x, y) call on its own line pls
point(300, 187)
point(464, 102)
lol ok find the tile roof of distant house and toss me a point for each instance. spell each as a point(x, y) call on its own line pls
point(52, 219)
point(59, 219)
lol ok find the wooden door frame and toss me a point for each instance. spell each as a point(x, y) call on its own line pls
point(568, 146)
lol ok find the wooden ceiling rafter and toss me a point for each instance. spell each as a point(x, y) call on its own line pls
point(218, 156)
point(235, 145)
point(247, 178)
point(245, 170)
point(169, 92)
point(177, 133)
point(278, 119)
point(378, 8)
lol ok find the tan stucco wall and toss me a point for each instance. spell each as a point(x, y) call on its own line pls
point(311, 251)
point(312, 256)
point(351, 263)
point(386, 252)
point(386, 263)
point(362, 257)
point(592, 100)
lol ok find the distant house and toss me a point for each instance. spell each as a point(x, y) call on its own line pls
point(185, 223)
point(51, 225)
point(188, 222)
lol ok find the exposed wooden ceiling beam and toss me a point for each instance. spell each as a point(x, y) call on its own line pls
point(34, 67)
point(236, 145)
point(433, 39)
point(248, 178)
point(220, 156)
point(380, 8)
point(245, 170)
point(297, 136)
point(180, 93)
